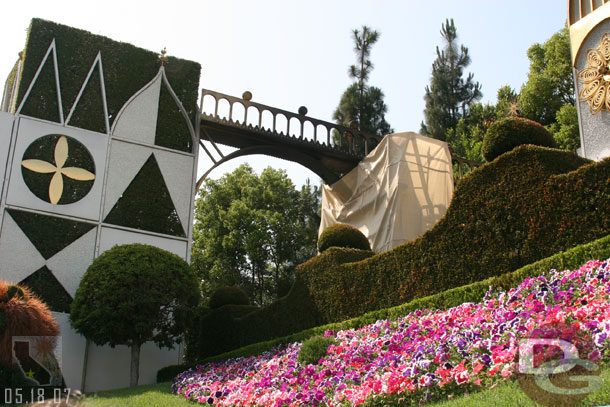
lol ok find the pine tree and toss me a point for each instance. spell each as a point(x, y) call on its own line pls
point(449, 95)
point(360, 102)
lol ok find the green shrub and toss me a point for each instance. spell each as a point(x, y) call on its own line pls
point(132, 294)
point(221, 330)
point(167, 374)
point(510, 132)
point(314, 349)
point(343, 235)
point(527, 205)
point(228, 296)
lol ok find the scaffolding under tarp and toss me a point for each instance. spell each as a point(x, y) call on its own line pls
point(396, 193)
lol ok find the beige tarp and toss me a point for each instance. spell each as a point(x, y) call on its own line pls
point(397, 192)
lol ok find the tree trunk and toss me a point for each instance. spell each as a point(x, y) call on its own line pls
point(135, 364)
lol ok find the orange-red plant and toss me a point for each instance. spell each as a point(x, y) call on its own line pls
point(24, 315)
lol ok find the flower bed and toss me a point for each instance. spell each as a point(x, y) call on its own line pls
point(423, 356)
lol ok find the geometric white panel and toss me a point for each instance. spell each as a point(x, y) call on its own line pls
point(104, 359)
point(69, 265)
point(20, 195)
point(137, 119)
point(126, 160)
point(18, 256)
point(176, 169)
point(73, 352)
point(6, 129)
point(111, 236)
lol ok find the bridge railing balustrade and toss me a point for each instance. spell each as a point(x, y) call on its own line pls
point(284, 123)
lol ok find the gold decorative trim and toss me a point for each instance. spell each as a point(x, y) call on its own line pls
point(595, 77)
point(581, 29)
point(56, 186)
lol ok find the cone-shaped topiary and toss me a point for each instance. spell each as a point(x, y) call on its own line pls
point(342, 235)
point(22, 314)
point(510, 132)
point(228, 296)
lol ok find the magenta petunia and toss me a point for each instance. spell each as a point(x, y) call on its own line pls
point(472, 344)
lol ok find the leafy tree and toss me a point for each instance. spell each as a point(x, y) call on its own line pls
point(132, 294)
point(507, 102)
point(466, 139)
point(360, 102)
point(252, 231)
point(565, 128)
point(549, 89)
point(449, 96)
point(550, 83)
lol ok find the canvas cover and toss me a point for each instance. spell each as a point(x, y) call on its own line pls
point(396, 193)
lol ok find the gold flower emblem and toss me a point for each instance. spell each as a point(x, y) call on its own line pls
point(596, 77)
point(56, 186)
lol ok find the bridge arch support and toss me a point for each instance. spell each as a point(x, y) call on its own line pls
point(311, 163)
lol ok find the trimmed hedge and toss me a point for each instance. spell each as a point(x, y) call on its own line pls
point(220, 330)
point(510, 132)
point(527, 205)
point(213, 329)
point(475, 292)
point(343, 235)
point(228, 296)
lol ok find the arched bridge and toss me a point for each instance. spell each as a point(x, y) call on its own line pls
point(327, 149)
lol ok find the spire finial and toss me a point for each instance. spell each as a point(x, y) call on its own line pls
point(163, 57)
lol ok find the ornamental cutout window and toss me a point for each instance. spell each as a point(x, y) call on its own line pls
point(58, 169)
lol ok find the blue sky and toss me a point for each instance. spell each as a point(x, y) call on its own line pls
point(292, 53)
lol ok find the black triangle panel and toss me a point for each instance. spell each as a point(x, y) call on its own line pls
point(89, 112)
point(49, 234)
point(42, 100)
point(46, 286)
point(172, 129)
point(146, 204)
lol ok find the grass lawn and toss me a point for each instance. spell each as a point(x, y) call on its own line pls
point(505, 395)
point(141, 396)
point(511, 395)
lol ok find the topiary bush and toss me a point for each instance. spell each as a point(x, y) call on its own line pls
point(231, 295)
point(475, 292)
point(526, 205)
point(132, 294)
point(510, 132)
point(314, 349)
point(343, 235)
point(234, 329)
